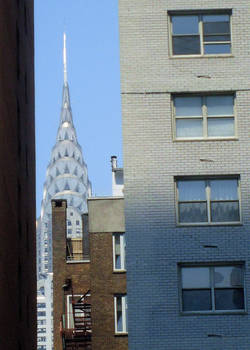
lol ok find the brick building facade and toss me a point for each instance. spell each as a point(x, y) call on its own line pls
point(184, 67)
point(90, 270)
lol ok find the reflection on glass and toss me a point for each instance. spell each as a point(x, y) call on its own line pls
point(186, 45)
point(188, 106)
point(228, 276)
point(195, 277)
point(220, 127)
point(196, 300)
point(215, 18)
point(229, 299)
point(220, 105)
point(191, 190)
point(126, 313)
point(217, 48)
point(209, 38)
point(185, 24)
point(189, 127)
point(225, 212)
point(119, 314)
point(213, 28)
point(117, 252)
point(224, 189)
point(192, 212)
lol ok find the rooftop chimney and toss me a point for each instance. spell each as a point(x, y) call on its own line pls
point(113, 162)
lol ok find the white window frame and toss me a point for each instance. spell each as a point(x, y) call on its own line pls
point(122, 251)
point(212, 288)
point(208, 201)
point(124, 313)
point(199, 14)
point(204, 118)
point(70, 308)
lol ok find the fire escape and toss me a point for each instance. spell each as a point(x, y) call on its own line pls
point(76, 328)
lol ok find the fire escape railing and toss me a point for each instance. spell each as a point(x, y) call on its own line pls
point(76, 327)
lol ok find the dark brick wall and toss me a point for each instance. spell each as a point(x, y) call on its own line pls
point(104, 284)
point(17, 177)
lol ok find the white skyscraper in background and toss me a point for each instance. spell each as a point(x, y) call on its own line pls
point(66, 178)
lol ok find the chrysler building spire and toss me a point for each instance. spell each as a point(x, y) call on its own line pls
point(66, 178)
point(65, 59)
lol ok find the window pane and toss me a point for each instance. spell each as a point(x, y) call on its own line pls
point(220, 105)
point(188, 106)
point(117, 251)
point(124, 253)
point(224, 189)
point(225, 212)
point(117, 244)
point(215, 18)
point(209, 38)
point(195, 277)
point(220, 127)
point(192, 212)
point(185, 24)
point(228, 276)
point(186, 45)
point(189, 127)
point(192, 190)
point(196, 300)
point(119, 314)
point(216, 28)
point(126, 313)
point(217, 48)
point(118, 262)
point(229, 299)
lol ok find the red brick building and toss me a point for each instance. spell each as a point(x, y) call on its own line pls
point(90, 271)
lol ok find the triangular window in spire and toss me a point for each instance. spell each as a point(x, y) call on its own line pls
point(71, 203)
point(66, 136)
point(73, 155)
point(59, 155)
point(81, 178)
point(75, 171)
point(57, 172)
point(56, 189)
point(66, 154)
point(77, 188)
point(66, 170)
point(66, 187)
point(79, 207)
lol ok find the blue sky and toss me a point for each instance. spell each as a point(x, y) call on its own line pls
point(94, 80)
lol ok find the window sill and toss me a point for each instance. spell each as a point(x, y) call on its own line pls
point(202, 56)
point(214, 313)
point(122, 334)
point(210, 224)
point(85, 261)
point(119, 271)
point(206, 139)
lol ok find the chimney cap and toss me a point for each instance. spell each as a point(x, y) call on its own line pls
point(113, 162)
